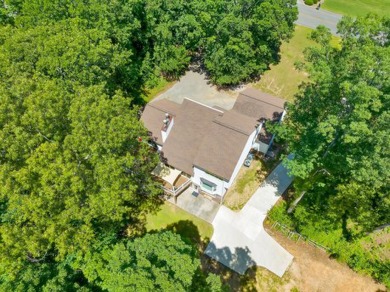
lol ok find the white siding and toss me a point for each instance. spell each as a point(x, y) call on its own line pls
point(244, 154)
point(164, 134)
point(222, 185)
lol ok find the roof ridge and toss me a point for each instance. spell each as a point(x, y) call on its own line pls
point(263, 100)
point(202, 104)
point(230, 127)
point(160, 108)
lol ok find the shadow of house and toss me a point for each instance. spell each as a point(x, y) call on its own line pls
point(277, 178)
point(238, 260)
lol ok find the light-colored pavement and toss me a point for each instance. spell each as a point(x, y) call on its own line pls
point(197, 205)
point(310, 17)
point(240, 241)
point(195, 86)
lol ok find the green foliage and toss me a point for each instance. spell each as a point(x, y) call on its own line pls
point(71, 168)
point(309, 2)
point(338, 129)
point(339, 126)
point(73, 173)
point(279, 214)
point(155, 262)
point(246, 39)
point(46, 277)
point(362, 253)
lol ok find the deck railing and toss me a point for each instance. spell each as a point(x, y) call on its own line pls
point(179, 190)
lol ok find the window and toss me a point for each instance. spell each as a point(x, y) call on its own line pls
point(208, 185)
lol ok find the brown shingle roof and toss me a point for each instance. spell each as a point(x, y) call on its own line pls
point(209, 138)
point(191, 124)
point(236, 121)
point(154, 114)
point(220, 150)
point(257, 104)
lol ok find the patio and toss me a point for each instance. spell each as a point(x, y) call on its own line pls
point(196, 204)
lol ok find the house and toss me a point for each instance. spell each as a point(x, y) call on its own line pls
point(205, 146)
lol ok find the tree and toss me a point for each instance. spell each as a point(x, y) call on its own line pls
point(154, 262)
point(338, 127)
point(246, 38)
point(69, 182)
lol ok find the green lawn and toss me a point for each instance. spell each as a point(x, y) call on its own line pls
point(358, 7)
point(283, 79)
point(161, 86)
point(171, 217)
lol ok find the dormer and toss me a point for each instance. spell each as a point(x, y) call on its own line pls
point(166, 127)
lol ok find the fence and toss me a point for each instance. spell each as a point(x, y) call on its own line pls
point(297, 236)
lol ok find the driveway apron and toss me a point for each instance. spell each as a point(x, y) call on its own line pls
point(240, 241)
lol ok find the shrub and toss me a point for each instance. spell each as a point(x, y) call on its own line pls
point(309, 2)
point(279, 214)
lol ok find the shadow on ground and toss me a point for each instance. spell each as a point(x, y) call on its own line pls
point(239, 260)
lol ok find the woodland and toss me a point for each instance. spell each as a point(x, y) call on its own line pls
point(75, 173)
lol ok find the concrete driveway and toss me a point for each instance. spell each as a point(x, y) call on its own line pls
point(310, 17)
point(195, 86)
point(240, 241)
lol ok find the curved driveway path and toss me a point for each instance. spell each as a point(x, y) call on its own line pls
point(310, 17)
point(240, 241)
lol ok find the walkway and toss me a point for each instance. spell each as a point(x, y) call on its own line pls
point(240, 241)
point(310, 17)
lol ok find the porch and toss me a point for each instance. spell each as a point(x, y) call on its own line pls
point(196, 204)
point(174, 182)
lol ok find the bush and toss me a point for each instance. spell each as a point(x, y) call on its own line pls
point(309, 2)
point(279, 214)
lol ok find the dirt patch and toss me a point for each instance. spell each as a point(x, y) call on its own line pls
point(313, 270)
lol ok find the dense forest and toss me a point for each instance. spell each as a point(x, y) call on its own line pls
point(74, 174)
point(339, 130)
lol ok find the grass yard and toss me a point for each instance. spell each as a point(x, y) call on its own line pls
point(161, 86)
point(358, 7)
point(283, 79)
point(246, 183)
point(171, 217)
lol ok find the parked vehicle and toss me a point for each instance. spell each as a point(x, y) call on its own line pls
point(249, 159)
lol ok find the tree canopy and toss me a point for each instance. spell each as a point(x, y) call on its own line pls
point(236, 40)
point(155, 262)
point(74, 172)
point(339, 127)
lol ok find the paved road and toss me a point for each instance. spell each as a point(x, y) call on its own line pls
point(240, 241)
point(309, 16)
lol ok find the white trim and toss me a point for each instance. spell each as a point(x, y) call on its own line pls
point(204, 105)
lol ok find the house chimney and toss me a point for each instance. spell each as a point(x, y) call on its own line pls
point(166, 127)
